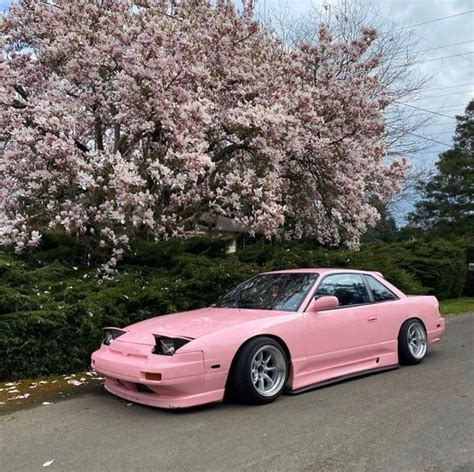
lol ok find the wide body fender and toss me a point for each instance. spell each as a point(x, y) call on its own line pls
point(221, 347)
point(393, 314)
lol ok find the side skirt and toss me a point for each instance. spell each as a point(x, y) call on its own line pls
point(341, 379)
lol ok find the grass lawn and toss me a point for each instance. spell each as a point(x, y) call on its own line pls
point(454, 306)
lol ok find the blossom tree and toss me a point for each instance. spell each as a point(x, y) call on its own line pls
point(121, 118)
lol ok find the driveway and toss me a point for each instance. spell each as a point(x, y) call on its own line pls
point(412, 419)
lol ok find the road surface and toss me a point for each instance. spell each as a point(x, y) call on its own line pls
point(412, 419)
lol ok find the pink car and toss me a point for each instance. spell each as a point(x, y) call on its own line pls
point(288, 330)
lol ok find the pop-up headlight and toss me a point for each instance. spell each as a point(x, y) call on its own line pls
point(168, 346)
point(112, 333)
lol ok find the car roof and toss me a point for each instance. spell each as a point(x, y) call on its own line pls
point(323, 270)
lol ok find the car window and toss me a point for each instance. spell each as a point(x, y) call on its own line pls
point(380, 292)
point(348, 288)
point(284, 292)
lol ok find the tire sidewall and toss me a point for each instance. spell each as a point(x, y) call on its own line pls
point(243, 384)
point(404, 354)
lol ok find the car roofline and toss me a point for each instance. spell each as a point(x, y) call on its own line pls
point(322, 270)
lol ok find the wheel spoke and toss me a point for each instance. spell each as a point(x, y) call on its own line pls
point(268, 379)
point(268, 370)
point(416, 339)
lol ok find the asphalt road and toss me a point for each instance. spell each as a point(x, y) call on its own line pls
point(412, 419)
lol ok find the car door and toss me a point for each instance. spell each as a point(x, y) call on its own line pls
point(390, 310)
point(342, 340)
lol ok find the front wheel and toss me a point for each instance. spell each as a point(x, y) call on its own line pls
point(412, 342)
point(260, 372)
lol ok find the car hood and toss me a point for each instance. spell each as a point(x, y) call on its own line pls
point(191, 324)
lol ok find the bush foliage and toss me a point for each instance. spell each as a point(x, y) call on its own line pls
point(52, 307)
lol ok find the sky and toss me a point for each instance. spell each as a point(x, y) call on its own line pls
point(446, 51)
point(448, 64)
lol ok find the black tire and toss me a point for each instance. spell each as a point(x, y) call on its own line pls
point(406, 353)
point(242, 379)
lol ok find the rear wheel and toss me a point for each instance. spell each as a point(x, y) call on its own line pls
point(412, 342)
point(260, 372)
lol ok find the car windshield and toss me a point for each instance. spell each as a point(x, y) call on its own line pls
point(283, 292)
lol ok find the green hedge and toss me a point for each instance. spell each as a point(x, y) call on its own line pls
point(469, 286)
point(52, 308)
point(51, 318)
point(437, 267)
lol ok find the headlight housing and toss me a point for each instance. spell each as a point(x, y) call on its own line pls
point(112, 333)
point(168, 346)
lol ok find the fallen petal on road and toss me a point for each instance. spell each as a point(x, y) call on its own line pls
point(76, 383)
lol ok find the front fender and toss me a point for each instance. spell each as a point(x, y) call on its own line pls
point(221, 347)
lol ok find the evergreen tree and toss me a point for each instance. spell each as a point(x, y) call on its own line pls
point(447, 203)
point(386, 228)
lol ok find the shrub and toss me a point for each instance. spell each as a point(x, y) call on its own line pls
point(436, 267)
point(468, 245)
point(12, 300)
point(439, 266)
point(51, 317)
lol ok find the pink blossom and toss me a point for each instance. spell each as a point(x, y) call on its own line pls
point(120, 118)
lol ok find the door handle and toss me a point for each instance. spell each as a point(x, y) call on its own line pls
point(373, 319)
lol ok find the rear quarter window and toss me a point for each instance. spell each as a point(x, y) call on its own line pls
point(379, 291)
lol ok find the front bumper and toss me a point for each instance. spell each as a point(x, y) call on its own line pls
point(125, 367)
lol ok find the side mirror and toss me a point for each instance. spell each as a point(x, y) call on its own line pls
point(327, 302)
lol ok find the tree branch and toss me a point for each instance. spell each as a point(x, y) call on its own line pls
point(222, 153)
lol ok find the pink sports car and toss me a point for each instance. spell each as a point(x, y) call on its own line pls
point(288, 330)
